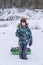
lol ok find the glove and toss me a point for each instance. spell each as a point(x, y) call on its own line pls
point(30, 44)
point(20, 35)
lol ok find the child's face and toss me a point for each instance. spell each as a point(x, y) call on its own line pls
point(23, 23)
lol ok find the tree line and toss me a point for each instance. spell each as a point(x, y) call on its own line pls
point(21, 3)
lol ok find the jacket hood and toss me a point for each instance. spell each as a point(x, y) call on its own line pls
point(19, 25)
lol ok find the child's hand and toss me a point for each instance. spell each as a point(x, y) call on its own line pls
point(20, 35)
point(30, 44)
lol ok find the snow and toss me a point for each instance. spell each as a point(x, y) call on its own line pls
point(8, 38)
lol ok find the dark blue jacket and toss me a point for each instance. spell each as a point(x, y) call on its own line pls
point(24, 34)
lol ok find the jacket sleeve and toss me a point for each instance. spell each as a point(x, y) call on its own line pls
point(17, 32)
point(30, 37)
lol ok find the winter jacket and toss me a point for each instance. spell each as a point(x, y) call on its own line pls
point(24, 34)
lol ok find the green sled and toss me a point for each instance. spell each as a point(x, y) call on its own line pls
point(15, 51)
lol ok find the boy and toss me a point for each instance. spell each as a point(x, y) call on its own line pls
point(25, 36)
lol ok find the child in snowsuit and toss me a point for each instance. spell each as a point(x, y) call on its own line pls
point(25, 36)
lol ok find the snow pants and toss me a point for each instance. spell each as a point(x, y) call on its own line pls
point(22, 50)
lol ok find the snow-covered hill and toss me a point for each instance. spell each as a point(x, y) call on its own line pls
point(8, 38)
point(16, 13)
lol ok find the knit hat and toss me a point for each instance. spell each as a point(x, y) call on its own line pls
point(23, 20)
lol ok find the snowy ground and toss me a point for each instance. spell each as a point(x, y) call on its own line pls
point(8, 40)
